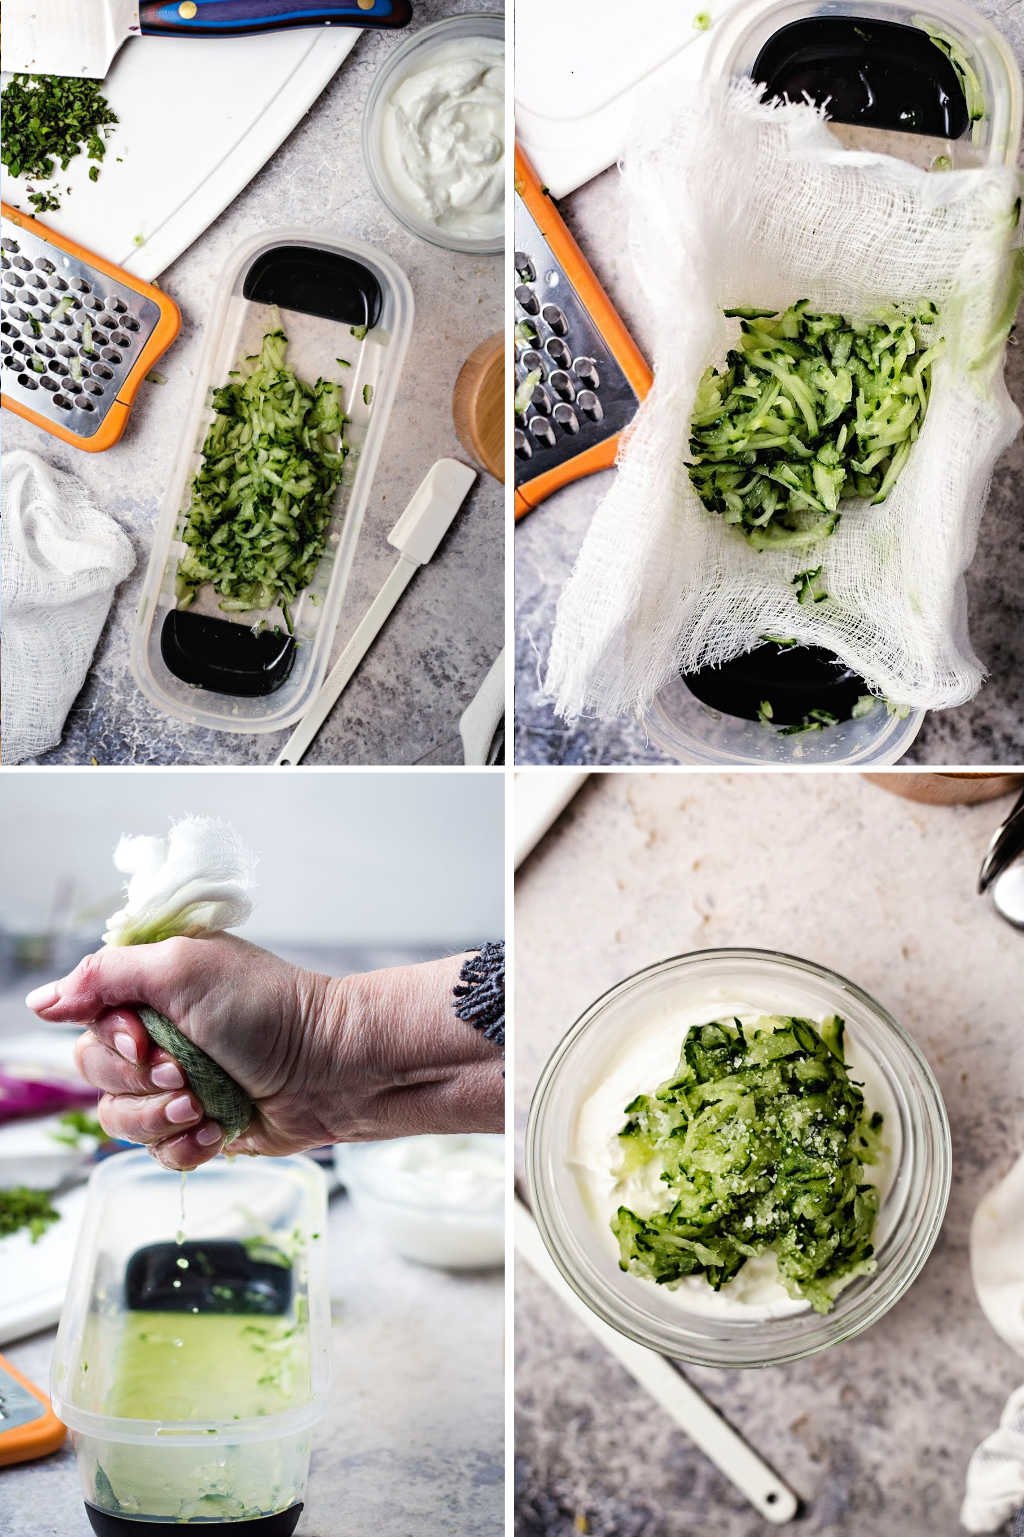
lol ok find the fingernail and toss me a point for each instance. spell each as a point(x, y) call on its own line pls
point(180, 1109)
point(168, 1075)
point(125, 1047)
point(209, 1134)
point(42, 997)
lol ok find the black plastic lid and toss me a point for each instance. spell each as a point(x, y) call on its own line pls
point(878, 74)
point(282, 1524)
point(224, 657)
point(793, 679)
point(324, 283)
point(215, 1276)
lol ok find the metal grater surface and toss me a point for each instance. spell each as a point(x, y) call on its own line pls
point(70, 335)
point(583, 396)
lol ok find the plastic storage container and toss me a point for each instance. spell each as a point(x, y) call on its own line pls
point(251, 678)
point(916, 1130)
point(743, 33)
point(439, 1200)
point(745, 41)
point(692, 732)
point(191, 1373)
point(414, 52)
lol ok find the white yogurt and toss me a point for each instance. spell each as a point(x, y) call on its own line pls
point(648, 1055)
point(436, 1199)
point(442, 138)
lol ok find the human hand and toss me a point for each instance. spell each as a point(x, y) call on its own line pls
point(376, 1054)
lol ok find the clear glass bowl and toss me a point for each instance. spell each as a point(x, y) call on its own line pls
point(415, 49)
point(910, 1217)
point(691, 732)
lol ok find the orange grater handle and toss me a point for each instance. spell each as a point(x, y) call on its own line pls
point(607, 319)
point(38, 1437)
point(163, 334)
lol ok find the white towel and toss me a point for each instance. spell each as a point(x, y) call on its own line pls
point(995, 1474)
point(61, 560)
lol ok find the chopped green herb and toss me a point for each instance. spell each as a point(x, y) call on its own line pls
point(760, 1139)
point(22, 1207)
point(78, 1126)
point(48, 121)
point(809, 410)
point(260, 504)
point(343, 362)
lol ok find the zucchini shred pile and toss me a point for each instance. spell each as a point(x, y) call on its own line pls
point(809, 410)
point(760, 1140)
point(260, 506)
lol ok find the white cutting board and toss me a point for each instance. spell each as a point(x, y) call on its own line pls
point(35, 1276)
point(198, 119)
point(581, 69)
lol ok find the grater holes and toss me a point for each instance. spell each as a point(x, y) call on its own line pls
point(526, 272)
point(15, 279)
point(28, 382)
point(120, 340)
point(119, 307)
point(35, 281)
point(47, 383)
point(57, 368)
point(91, 387)
point(90, 302)
point(8, 243)
point(110, 355)
point(130, 323)
point(8, 328)
point(22, 347)
point(7, 295)
point(106, 321)
point(552, 316)
point(20, 262)
point(562, 385)
point(528, 299)
point(101, 371)
point(542, 430)
point(58, 284)
point(31, 329)
point(558, 352)
point(541, 401)
point(79, 286)
point(66, 350)
point(44, 349)
point(532, 361)
point(84, 403)
point(64, 403)
point(522, 446)
point(585, 370)
point(565, 417)
point(588, 403)
point(43, 264)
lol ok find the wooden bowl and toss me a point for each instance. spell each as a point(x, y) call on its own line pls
point(478, 405)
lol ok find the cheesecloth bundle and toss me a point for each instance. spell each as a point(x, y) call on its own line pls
point(738, 202)
point(62, 557)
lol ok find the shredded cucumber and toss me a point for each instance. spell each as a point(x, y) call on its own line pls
point(524, 394)
point(760, 1139)
point(810, 410)
point(260, 503)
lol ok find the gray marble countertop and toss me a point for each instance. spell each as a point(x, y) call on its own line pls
point(874, 1434)
point(989, 730)
point(412, 1440)
point(404, 704)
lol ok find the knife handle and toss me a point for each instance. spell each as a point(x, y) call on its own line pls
point(235, 18)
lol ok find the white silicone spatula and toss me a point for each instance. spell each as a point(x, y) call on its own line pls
point(416, 536)
point(691, 1412)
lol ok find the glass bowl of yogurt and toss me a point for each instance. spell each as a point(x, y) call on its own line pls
point(434, 133)
point(436, 1199)
point(626, 1044)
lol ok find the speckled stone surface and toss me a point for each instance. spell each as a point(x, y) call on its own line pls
point(988, 730)
point(873, 1435)
point(412, 1440)
point(404, 704)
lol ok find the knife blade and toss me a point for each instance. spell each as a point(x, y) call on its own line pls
point(82, 37)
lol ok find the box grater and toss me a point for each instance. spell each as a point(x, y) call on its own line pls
point(592, 374)
point(78, 335)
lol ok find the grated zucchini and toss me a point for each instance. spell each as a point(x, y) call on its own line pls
point(260, 504)
point(810, 410)
point(760, 1139)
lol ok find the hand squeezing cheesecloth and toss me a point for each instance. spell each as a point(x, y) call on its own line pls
point(192, 883)
point(733, 201)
